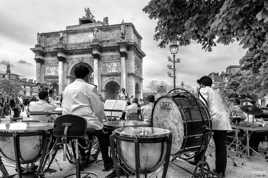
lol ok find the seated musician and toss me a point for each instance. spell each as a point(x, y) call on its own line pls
point(133, 110)
point(146, 110)
point(41, 105)
point(80, 98)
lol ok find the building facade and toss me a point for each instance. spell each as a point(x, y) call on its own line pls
point(112, 53)
point(28, 87)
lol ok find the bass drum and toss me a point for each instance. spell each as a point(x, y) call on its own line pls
point(186, 117)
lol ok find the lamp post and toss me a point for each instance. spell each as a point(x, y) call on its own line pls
point(173, 47)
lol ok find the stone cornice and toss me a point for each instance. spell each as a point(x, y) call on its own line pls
point(111, 74)
point(38, 49)
point(91, 28)
point(135, 75)
point(39, 59)
point(100, 47)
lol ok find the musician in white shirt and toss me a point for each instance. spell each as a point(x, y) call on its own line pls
point(146, 110)
point(220, 121)
point(80, 98)
point(41, 105)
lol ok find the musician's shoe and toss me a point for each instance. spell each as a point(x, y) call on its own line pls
point(219, 174)
point(108, 166)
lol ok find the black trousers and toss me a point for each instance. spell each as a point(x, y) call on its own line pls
point(219, 137)
point(103, 139)
point(255, 139)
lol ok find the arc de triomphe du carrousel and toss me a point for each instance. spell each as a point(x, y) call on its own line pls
point(111, 52)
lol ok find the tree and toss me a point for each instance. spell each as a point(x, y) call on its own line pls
point(209, 22)
point(159, 86)
point(9, 87)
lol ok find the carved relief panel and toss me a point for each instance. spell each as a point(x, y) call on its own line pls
point(110, 67)
point(51, 68)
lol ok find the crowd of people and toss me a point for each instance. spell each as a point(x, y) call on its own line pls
point(13, 104)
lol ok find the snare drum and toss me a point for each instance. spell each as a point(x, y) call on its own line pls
point(141, 149)
point(23, 142)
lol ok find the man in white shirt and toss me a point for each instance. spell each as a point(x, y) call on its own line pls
point(220, 121)
point(80, 98)
point(146, 110)
point(42, 106)
point(132, 110)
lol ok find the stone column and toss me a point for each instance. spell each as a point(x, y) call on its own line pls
point(39, 62)
point(96, 57)
point(141, 89)
point(123, 56)
point(96, 71)
point(61, 59)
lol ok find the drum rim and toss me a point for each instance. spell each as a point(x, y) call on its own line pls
point(30, 129)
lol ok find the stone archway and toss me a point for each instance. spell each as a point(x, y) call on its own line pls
point(112, 90)
point(90, 77)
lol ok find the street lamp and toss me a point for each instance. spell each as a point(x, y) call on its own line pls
point(174, 47)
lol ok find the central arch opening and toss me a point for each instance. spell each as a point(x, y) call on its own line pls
point(90, 77)
point(112, 89)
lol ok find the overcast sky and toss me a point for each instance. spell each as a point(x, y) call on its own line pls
point(21, 20)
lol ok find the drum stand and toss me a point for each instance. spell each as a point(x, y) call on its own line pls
point(202, 169)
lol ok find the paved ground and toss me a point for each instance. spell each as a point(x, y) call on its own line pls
point(255, 167)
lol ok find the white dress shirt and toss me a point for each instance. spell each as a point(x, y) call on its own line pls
point(81, 99)
point(217, 109)
point(146, 111)
point(41, 106)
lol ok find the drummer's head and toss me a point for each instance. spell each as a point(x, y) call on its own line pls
point(205, 81)
point(43, 95)
point(150, 98)
point(81, 72)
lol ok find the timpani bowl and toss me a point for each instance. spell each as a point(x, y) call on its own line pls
point(28, 136)
point(151, 144)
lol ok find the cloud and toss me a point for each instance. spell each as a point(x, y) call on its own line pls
point(15, 29)
point(24, 62)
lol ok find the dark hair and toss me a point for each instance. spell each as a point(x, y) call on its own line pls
point(150, 98)
point(135, 100)
point(81, 71)
point(205, 80)
point(43, 95)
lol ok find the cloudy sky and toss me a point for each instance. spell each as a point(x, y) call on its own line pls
point(21, 20)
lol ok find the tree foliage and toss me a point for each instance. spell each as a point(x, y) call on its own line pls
point(209, 22)
point(9, 87)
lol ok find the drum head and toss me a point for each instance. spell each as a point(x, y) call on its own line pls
point(167, 115)
point(134, 132)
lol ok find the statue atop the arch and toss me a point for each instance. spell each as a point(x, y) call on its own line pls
point(88, 18)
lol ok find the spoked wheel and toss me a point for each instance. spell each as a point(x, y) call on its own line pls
point(91, 148)
point(84, 175)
